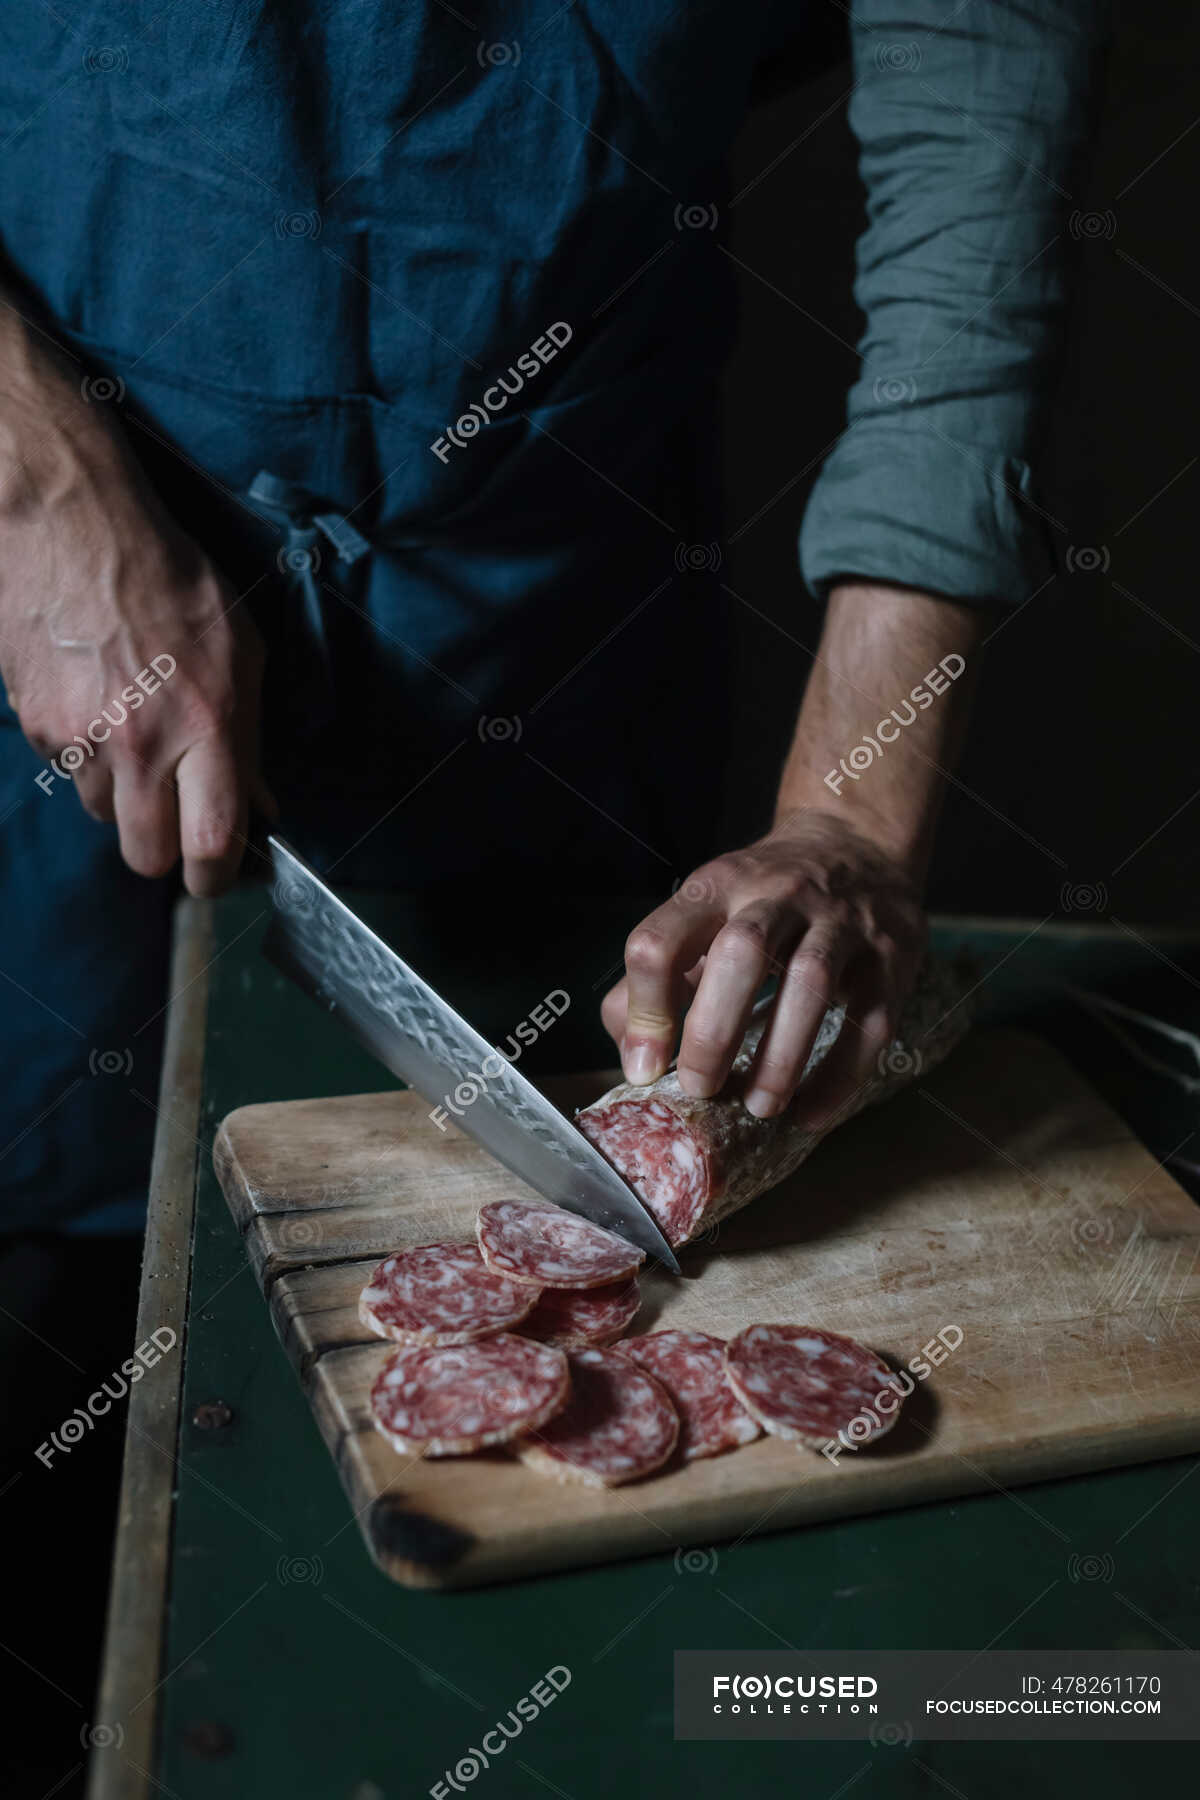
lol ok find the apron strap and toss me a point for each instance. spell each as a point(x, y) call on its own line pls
point(305, 523)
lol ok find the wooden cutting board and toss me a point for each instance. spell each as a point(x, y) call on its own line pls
point(1001, 1199)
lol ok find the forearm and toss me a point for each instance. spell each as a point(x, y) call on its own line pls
point(99, 589)
point(884, 716)
point(58, 451)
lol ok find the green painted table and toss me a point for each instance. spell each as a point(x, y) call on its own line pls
point(255, 1651)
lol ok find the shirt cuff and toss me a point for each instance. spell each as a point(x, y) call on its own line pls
point(914, 506)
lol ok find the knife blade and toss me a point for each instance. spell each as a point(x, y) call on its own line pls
point(322, 945)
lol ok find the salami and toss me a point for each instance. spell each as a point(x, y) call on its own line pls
point(693, 1162)
point(618, 1424)
point(441, 1294)
point(573, 1318)
point(450, 1399)
point(691, 1367)
point(551, 1247)
point(806, 1384)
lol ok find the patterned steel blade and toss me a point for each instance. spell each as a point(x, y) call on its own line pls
point(324, 947)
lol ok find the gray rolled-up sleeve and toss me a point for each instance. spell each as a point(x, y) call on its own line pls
point(973, 122)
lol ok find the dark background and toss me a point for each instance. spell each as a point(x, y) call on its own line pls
point(1083, 735)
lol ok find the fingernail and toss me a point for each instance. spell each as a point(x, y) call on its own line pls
point(762, 1104)
point(696, 1087)
point(642, 1064)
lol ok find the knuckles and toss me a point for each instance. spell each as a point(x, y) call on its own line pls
point(647, 953)
point(745, 938)
point(704, 1046)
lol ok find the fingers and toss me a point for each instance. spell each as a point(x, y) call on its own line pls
point(658, 955)
point(832, 917)
point(93, 784)
point(614, 1007)
point(613, 1010)
point(744, 952)
point(147, 817)
point(810, 985)
point(212, 815)
point(856, 1057)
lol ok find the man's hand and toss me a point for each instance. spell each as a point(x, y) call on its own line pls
point(96, 585)
point(812, 903)
point(829, 901)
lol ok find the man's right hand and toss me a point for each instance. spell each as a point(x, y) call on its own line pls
point(96, 585)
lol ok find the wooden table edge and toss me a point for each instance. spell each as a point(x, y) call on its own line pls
point(126, 1715)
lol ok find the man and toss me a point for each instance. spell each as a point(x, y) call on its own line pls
point(355, 445)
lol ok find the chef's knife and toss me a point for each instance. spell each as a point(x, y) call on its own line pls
point(327, 950)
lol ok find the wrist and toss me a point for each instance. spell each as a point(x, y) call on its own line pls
point(903, 834)
point(49, 432)
point(882, 720)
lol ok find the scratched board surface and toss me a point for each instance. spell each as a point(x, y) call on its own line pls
point(1000, 1203)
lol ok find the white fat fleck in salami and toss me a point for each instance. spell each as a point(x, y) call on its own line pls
point(619, 1424)
point(693, 1162)
point(441, 1294)
point(551, 1247)
point(574, 1318)
point(806, 1384)
point(450, 1399)
point(691, 1366)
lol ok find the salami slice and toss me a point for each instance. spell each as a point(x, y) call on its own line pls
point(806, 1384)
point(618, 1424)
point(574, 1318)
point(691, 1367)
point(441, 1294)
point(449, 1399)
point(695, 1161)
point(551, 1247)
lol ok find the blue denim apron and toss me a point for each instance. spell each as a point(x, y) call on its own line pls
point(415, 324)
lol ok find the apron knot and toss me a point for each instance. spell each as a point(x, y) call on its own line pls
point(305, 522)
